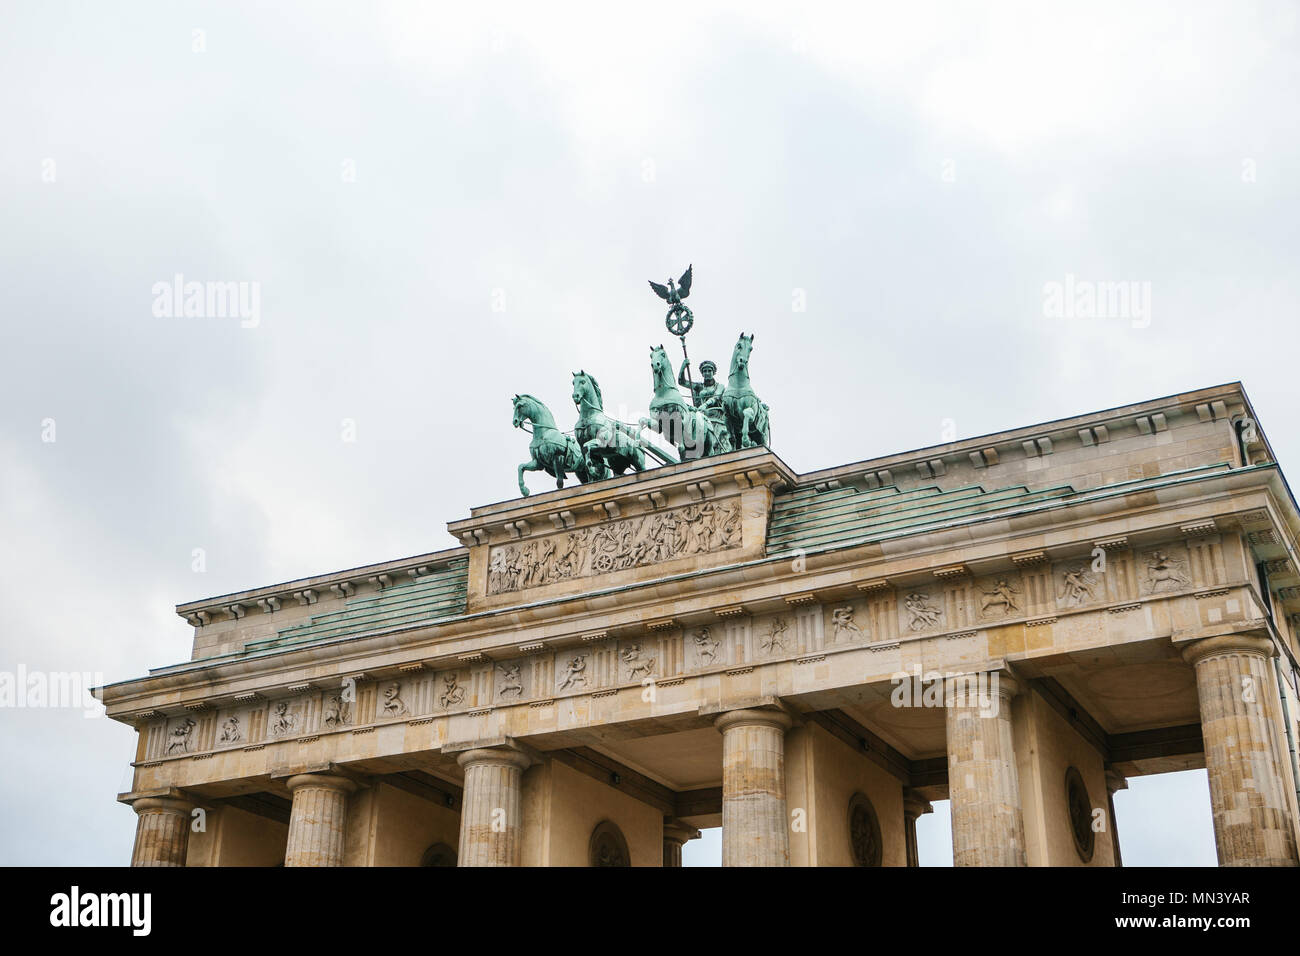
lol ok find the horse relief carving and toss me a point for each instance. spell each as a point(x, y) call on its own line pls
point(1000, 600)
point(636, 662)
point(510, 681)
point(615, 546)
point(1164, 572)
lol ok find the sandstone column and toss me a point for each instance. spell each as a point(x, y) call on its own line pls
point(1114, 781)
point(755, 829)
point(987, 825)
point(913, 806)
point(162, 831)
point(491, 812)
point(1234, 681)
point(676, 835)
point(317, 819)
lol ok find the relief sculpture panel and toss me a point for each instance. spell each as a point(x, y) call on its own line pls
point(615, 546)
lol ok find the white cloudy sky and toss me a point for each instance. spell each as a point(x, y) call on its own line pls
point(916, 172)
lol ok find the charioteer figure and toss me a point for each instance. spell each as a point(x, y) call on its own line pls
point(707, 396)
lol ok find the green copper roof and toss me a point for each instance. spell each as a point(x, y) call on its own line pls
point(808, 518)
point(430, 597)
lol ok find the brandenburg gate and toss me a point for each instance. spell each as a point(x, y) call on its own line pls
point(1017, 623)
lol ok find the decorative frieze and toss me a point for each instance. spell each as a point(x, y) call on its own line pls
point(615, 546)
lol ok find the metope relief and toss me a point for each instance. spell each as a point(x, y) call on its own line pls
point(920, 612)
point(510, 681)
point(999, 598)
point(703, 648)
point(615, 546)
point(636, 662)
point(572, 673)
point(231, 730)
point(1164, 570)
point(451, 691)
point(181, 737)
point(283, 722)
point(1078, 585)
point(843, 627)
point(391, 704)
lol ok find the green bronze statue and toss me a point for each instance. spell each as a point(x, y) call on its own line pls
point(683, 425)
point(553, 452)
point(746, 415)
point(707, 396)
point(607, 445)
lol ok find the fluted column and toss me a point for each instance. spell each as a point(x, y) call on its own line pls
point(317, 819)
point(755, 830)
point(988, 826)
point(491, 809)
point(676, 835)
point(913, 806)
point(1234, 681)
point(162, 831)
point(1114, 781)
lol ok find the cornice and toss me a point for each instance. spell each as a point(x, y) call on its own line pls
point(854, 563)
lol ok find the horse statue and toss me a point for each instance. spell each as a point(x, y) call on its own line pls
point(746, 415)
point(607, 444)
point(553, 452)
point(686, 427)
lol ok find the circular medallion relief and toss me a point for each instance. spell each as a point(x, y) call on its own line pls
point(1079, 808)
point(608, 848)
point(440, 854)
point(864, 832)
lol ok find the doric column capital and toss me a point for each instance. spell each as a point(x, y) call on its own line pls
point(502, 756)
point(320, 781)
point(164, 804)
point(999, 681)
point(753, 717)
point(678, 832)
point(1115, 780)
point(915, 805)
point(1251, 643)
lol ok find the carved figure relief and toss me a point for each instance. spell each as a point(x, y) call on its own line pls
point(510, 681)
point(923, 614)
point(393, 705)
point(1164, 573)
point(338, 712)
point(573, 673)
point(775, 639)
point(452, 692)
point(706, 647)
point(180, 737)
point(230, 732)
point(282, 721)
point(1078, 586)
point(1000, 600)
point(636, 662)
point(615, 546)
point(843, 624)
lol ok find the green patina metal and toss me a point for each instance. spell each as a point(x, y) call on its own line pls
point(716, 419)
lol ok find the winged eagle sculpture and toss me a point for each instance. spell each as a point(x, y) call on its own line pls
point(673, 293)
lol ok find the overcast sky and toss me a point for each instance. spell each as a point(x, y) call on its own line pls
point(444, 204)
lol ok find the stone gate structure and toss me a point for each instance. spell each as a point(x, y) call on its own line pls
point(1017, 623)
